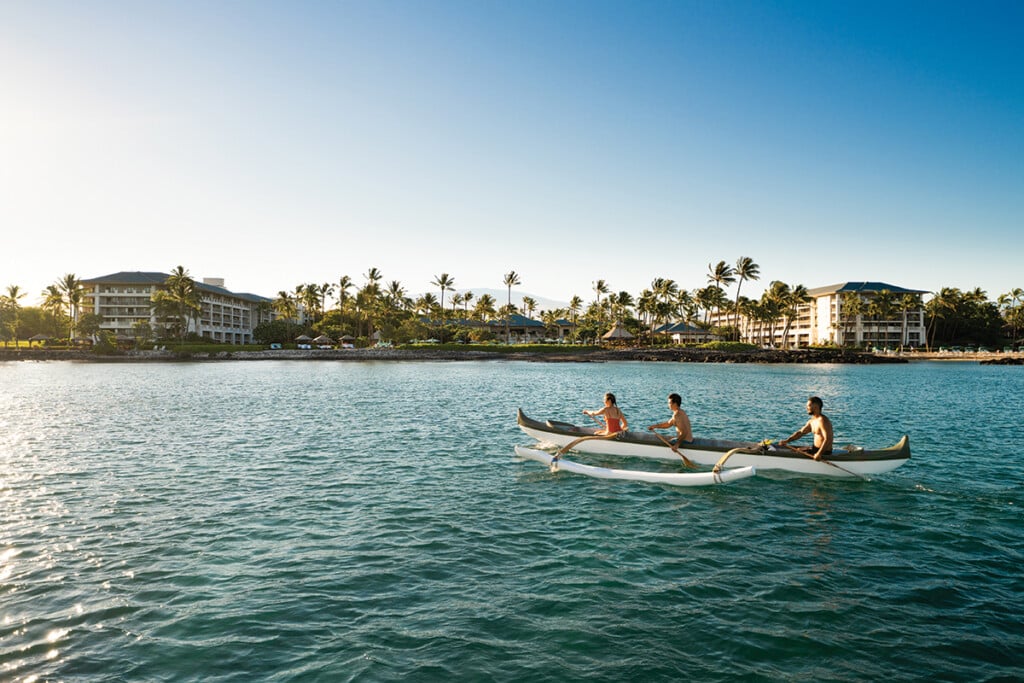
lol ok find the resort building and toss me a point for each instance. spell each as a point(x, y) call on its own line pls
point(124, 299)
point(521, 330)
point(684, 333)
point(524, 330)
point(858, 314)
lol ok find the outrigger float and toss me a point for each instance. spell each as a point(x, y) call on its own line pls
point(557, 463)
point(849, 461)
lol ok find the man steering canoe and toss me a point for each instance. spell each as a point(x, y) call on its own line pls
point(820, 426)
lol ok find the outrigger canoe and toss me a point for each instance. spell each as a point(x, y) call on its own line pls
point(671, 478)
point(843, 462)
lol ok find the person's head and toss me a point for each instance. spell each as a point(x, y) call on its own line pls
point(675, 400)
point(609, 398)
point(813, 405)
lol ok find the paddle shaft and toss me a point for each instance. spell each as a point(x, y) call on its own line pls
point(686, 461)
point(827, 462)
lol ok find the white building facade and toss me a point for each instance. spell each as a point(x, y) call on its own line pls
point(844, 314)
point(124, 299)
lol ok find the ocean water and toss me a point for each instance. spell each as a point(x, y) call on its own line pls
point(350, 521)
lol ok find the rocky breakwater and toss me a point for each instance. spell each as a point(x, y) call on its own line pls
point(694, 355)
point(1006, 360)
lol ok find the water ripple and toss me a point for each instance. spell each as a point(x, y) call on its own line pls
point(367, 521)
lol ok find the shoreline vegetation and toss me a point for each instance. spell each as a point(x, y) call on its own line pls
point(534, 353)
point(146, 308)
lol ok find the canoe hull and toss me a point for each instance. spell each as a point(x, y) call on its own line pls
point(709, 451)
point(669, 478)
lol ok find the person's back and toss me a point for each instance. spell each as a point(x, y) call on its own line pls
point(613, 419)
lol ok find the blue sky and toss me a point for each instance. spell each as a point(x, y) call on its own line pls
point(277, 143)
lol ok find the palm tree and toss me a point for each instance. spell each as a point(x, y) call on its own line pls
point(942, 303)
point(745, 269)
point(53, 303)
point(445, 282)
point(10, 303)
point(326, 290)
point(309, 297)
point(467, 296)
point(368, 300)
point(791, 303)
point(344, 284)
point(620, 305)
point(457, 300)
point(710, 298)
point(550, 320)
point(181, 295)
point(774, 302)
point(719, 275)
point(600, 287)
point(373, 275)
point(881, 308)
point(647, 308)
point(426, 304)
point(71, 288)
point(284, 305)
point(908, 302)
point(851, 306)
point(685, 306)
point(484, 309)
point(529, 306)
point(1010, 303)
point(665, 293)
point(575, 306)
point(511, 280)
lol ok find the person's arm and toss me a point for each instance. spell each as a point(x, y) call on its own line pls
point(660, 425)
point(798, 433)
point(625, 423)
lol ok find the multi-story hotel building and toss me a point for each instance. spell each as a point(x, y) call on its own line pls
point(823, 319)
point(124, 299)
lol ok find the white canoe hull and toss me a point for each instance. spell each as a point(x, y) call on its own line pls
point(670, 478)
point(707, 452)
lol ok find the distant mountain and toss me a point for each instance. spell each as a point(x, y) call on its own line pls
point(501, 298)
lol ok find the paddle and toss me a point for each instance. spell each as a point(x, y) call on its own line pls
point(686, 461)
point(827, 462)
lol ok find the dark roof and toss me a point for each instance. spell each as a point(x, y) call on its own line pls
point(126, 277)
point(678, 328)
point(516, 321)
point(863, 287)
point(137, 277)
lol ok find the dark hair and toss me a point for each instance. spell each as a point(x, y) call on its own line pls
point(611, 397)
point(814, 400)
point(675, 399)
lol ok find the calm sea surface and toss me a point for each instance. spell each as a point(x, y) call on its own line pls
point(333, 521)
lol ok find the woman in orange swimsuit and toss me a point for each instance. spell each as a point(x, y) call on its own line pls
point(614, 420)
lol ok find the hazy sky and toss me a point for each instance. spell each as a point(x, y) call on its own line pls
point(277, 143)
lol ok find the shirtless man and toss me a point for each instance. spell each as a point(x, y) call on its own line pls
point(820, 426)
point(680, 420)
